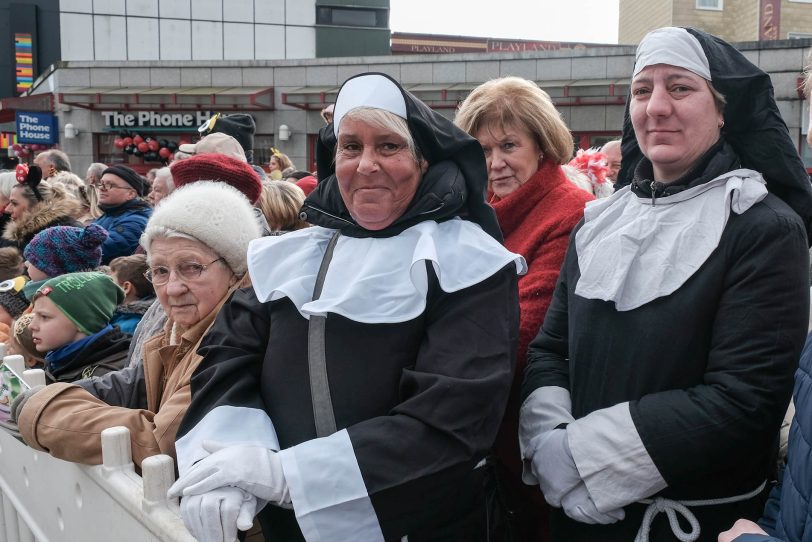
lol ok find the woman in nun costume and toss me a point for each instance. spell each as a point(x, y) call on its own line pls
point(358, 385)
point(657, 383)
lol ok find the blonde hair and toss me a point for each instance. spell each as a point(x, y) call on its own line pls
point(280, 202)
point(47, 190)
point(807, 84)
point(87, 195)
point(284, 161)
point(517, 102)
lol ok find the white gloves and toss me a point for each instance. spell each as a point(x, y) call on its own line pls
point(215, 516)
point(554, 467)
point(223, 491)
point(561, 483)
point(251, 468)
point(578, 505)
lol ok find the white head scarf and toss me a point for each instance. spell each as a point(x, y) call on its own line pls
point(673, 46)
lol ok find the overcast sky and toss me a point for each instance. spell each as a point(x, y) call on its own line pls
point(593, 21)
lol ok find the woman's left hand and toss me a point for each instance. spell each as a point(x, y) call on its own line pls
point(253, 469)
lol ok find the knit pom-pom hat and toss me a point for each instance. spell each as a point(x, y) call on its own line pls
point(216, 214)
point(218, 167)
point(65, 249)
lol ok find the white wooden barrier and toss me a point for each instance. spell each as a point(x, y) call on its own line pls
point(44, 499)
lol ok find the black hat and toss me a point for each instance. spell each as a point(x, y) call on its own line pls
point(129, 176)
point(453, 186)
point(239, 126)
point(752, 126)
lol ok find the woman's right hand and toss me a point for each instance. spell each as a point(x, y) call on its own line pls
point(216, 516)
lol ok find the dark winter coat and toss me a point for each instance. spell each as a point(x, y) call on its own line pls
point(788, 513)
point(107, 353)
point(125, 223)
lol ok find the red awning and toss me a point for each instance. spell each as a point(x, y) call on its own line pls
point(170, 98)
point(35, 102)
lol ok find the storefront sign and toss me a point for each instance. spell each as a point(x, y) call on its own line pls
point(769, 24)
point(154, 119)
point(36, 127)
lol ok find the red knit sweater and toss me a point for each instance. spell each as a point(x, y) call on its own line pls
point(536, 220)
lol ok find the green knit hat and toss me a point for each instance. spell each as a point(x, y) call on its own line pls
point(87, 299)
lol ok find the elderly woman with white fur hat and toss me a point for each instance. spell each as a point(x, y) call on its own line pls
point(354, 391)
point(663, 369)
point(196, 252)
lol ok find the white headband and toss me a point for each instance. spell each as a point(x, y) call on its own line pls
point(673, 46)
point(372, 90)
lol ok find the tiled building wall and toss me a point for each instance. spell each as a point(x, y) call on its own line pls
point(187, 30)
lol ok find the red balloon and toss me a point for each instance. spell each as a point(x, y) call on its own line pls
point(16, 147)
point(127, 141)
point(119, 143)
point(143, 147)
point(164, 152)
point(153, 145)
point(138, 140)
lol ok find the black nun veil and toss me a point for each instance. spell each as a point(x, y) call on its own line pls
point(753, 127)
point(454, 184)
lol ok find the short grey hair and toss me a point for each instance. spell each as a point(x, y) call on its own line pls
point(386, 121)
point(166, 174)
point(58, 159)
point(96, 169)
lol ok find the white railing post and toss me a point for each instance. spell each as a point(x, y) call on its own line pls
point(116, 452)
point(158, 473)
point(34, 377)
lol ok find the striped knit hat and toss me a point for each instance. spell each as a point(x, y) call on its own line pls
point(65, 249)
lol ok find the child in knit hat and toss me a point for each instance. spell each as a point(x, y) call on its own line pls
point(64, 249)
point(71, 324)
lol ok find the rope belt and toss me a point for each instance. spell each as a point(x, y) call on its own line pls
point(671, 508)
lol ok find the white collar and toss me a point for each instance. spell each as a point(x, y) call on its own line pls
point(632, 252)
point(373, 280)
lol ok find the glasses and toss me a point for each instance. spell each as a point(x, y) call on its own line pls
point(188, 271)
point(107, 185)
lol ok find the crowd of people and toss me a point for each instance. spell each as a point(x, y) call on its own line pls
point(453, 330)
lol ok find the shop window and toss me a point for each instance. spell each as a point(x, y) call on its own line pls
point(352, 16)
point(108, 153)
point(716, 5)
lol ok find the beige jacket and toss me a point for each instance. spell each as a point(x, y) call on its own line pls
point(66, 420)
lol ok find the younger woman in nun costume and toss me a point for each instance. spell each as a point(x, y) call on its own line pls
point(662, 371)
point(368, 424)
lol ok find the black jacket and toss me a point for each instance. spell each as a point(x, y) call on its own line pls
point(707, 370)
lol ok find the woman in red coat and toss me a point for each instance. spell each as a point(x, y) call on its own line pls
point(526, 142)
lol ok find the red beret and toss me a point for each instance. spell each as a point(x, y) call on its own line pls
point(218, 167)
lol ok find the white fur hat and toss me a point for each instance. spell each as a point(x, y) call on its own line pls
point(216, 214)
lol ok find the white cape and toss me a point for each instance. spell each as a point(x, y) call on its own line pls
point(632, 252)
point(375, 280)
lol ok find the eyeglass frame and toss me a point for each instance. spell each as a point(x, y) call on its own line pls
point(107, 185)
point(203, 267)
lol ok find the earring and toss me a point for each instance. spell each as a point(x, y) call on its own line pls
point(721, 125)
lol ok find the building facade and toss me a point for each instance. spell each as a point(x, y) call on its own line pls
point(166, 99)
point(731, 20)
